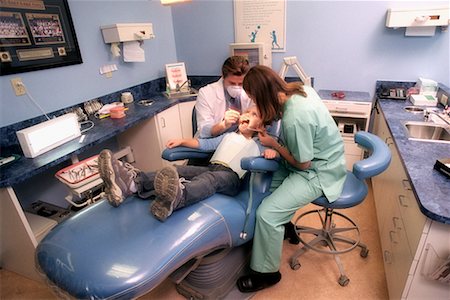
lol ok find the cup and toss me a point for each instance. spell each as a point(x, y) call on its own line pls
point(126, 97)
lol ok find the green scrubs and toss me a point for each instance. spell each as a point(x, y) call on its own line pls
point(310, 134)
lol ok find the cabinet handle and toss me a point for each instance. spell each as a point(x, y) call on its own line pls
point(387, 257)
point(163, 122)
point(403, 200)
point(391, 237)
point(406, 184)
point(394, 221)
point(388, 140)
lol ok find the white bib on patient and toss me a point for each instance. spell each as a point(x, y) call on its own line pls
point(232, 149)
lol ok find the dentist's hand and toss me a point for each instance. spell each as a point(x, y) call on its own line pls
point(231, 117)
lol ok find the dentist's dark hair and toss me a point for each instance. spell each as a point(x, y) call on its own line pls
point(263, 86)
point(235, 65)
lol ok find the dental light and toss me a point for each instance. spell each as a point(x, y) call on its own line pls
point(293, 61)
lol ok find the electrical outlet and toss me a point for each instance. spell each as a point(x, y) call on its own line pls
point(18, 86)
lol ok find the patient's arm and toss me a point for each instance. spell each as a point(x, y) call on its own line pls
point(191, 143)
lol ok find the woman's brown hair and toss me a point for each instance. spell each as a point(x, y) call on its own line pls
point(263, 86)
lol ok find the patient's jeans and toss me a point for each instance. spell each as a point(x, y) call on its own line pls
point(201, 182)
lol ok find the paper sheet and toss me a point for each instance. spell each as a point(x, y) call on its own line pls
point(132, 52)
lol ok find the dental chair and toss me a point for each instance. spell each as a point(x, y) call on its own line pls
point(336, 233)
point(104, 252)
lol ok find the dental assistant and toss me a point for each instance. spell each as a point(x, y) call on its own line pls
point(313, 165)
point(220, 104)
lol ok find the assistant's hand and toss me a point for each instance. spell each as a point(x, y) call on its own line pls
point(266, 140)
point(270, 154)
point(174, 143)
point(231, 117)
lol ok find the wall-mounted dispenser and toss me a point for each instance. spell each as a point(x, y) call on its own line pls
point(418, 22)
point(131, 35)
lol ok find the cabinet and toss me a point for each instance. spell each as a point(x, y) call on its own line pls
point(174, 122)
point(403, 228)
point(351, 115)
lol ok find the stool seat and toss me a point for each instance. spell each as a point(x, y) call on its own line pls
point(353, 194)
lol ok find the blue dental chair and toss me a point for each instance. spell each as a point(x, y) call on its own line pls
point(104, 252)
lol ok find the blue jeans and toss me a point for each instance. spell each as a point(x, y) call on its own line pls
point(201, 182)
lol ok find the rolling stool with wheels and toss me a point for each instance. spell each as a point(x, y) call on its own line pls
point(328, 237)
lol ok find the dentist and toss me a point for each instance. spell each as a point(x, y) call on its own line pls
point(220, 104)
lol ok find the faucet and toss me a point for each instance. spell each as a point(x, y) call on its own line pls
point(428, 112)
point(178, 87)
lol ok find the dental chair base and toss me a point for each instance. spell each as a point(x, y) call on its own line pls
point(215, 275)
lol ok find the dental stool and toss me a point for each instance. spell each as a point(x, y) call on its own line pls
point(106, 252)
point(327, 237)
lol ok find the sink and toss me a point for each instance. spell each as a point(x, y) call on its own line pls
point(414, 109)
point(426, 131)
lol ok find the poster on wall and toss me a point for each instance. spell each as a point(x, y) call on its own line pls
point(261, 21)
point(36, 35)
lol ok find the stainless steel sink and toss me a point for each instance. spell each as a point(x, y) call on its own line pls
point(427, 131)
point(414, 109)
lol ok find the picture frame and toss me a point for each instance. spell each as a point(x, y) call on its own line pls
point(36, 35)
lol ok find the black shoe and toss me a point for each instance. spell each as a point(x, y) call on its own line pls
point(257, 281)
point(290, 234)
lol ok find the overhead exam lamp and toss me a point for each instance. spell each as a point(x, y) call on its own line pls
point(293, 61)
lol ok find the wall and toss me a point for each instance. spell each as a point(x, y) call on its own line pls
point(343, 44)
point(62, 87)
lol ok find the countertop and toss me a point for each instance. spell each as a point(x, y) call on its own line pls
point(104, 129)
point(431, 188)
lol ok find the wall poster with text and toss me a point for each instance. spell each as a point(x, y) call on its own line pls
point(261, 21)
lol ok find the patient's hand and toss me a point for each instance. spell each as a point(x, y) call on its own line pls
point(174, 143)
point(270, 154)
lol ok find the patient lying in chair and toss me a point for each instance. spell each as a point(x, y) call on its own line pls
point(180, 186)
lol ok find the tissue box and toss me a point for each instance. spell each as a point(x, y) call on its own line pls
point(427, 86)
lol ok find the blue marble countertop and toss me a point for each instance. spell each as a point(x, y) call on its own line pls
point(103, 130)
point(348, 95)
point(431, 188)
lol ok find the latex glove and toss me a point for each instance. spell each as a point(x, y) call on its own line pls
point(231, 117)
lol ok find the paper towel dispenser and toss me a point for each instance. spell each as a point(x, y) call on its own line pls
point(418, 22)
point(126, 32)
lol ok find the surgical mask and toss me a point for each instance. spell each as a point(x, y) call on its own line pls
point(234, 91)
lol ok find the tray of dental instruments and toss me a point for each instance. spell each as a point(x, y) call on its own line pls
point(80, 173)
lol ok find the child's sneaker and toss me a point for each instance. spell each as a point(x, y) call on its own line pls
point(169, 192)
point(117, 176)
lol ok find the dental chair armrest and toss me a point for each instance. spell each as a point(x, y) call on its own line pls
point(180, 153)
point(259, 164)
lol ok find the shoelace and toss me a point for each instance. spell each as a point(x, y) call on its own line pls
point(131, 169)
point(182, 180)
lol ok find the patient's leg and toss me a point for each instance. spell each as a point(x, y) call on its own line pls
point(173, 192)
point(117, 176)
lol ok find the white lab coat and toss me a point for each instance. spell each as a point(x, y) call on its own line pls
point(211, 104)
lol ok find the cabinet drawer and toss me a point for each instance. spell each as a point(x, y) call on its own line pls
point(348, 107)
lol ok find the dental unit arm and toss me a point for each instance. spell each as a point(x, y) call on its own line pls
point(293, 61)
